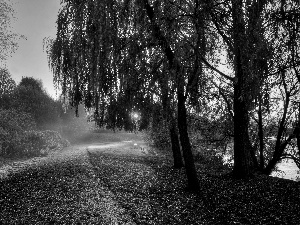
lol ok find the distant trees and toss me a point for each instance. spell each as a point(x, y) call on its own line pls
point(30, 97)
point(26, 111)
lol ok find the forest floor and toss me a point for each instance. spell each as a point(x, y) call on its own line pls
point(108, 178)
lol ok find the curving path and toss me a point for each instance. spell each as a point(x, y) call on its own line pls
point(62, 187)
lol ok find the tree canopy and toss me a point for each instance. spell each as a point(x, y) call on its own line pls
point(119, 56)
point(8, 39)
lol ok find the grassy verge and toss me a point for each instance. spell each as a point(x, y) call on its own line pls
point(154, 193)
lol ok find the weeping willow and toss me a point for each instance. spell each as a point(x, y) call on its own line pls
point(104, 52)
point(83, 55)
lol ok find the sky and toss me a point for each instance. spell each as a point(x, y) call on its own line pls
point(35, 19)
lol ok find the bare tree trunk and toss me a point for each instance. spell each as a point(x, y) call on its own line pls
point(178, 163)
point(171, 121)
point(279, 147)
point(243, 162)
point(261, 138)
point(297, 129)
point(191, 172)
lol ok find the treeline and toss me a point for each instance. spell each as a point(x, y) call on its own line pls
point(31, 122)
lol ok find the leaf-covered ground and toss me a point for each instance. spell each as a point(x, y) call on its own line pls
point(154, 193)
point(82, 186)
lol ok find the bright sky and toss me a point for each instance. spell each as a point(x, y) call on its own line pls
point(35, 19)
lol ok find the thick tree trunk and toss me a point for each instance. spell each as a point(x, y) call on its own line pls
point(191, 173)
point(243, 163)
point(178, 163)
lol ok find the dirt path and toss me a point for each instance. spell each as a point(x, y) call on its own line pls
point(71, 174)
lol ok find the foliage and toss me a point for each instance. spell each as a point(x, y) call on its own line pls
point(29, 97)
point(159, 136)
point(7, 84)
point(37, 143)
point(18, 137)
point(114, 52)
point(8, 40)
point(12, 126)
point(158, 133)
point(73, 127)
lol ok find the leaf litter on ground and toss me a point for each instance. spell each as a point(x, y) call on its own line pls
point(153, 192)
point(98, 188)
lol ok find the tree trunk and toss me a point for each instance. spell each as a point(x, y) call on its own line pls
point(171, 121)
point(298, 129)
point(261, 138)
point(243, 162)
point(279, 147)
point(191, 173)
point(178, 163)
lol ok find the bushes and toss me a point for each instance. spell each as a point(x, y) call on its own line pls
point(26, 110)
point(18, 137)
point(158, 136)
point(12, 127)
point(37, 143)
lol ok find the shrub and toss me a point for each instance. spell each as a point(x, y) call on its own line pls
point(40, 143)
point(18, 137)
point(158, 136)
point(32, 144)
point(13, 124)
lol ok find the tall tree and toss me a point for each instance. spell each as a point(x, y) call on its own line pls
point(240, 26)
point(90, 56)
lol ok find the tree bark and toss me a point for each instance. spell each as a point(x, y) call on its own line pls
point(171, 121)
point(261, 137)
point(178, 163)
point(279, 147)
point(243, 162)
point(191, 172)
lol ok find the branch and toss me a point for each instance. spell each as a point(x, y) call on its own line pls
point(216, 70)
point(223, 35)
point(225, 99)
point(290, 156)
